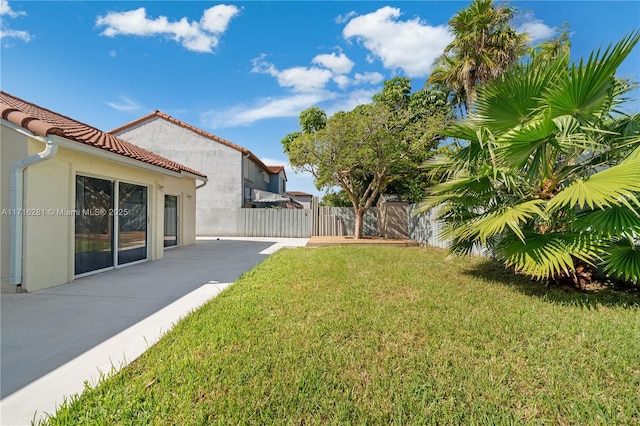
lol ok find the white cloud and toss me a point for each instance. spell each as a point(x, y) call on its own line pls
point(343, 19)
point(21, 35)
point(242, 114)
point(350, 101)
point(339, 64)
point(113, 53)
point(358, 79)
point(296, 181)
point(368, 78)
point(5, 9)
point(125, 105)
point(411, 45)
point(303, 79)
point(273, 162)
point(216, 19)
point(299, 79)
point(194, 36)
point(5, 31)
point(342, 81)
point(537, 30)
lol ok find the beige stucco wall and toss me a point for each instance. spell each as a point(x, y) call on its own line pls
point(12, 148)
point(48, 242)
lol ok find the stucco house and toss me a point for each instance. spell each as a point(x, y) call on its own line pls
point(75, 200)
point(238, 179)
point(303, 198)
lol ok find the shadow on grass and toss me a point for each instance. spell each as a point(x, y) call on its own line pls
point(610, 295)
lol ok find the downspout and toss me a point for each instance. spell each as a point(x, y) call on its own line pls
point(17, 194)
point(204, 183)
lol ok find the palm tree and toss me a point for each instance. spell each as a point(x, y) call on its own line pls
point(548, 177)
point(484, 46)
point(556, 46)
point(445, 78)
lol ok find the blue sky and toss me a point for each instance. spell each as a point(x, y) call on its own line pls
point(245, 70)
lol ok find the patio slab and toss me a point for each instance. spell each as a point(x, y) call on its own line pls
point(54, 339)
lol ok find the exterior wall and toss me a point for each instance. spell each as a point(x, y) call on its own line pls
point(254, 178)
point(220, 200)
point(278, 183)
point(12, 148)
point(49, 188)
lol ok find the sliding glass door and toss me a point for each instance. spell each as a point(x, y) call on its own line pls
point(132, 223)
point(103, 206)
point(170, 220)
point(93, 225)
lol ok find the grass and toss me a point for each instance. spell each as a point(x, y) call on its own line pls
point(383, 335)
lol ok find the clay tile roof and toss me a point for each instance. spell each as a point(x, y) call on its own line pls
point(43, 122)
point(167, 117)
point(275, 169)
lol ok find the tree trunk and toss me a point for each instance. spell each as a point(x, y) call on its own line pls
point(359, 228)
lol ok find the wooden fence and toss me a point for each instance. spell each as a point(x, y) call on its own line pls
point(303, 223)
point(425, 229)
point(328, 221)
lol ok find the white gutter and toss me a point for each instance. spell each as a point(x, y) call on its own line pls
point(118, 158)
point(17, 189)
point(204, 182)
point(17, 186)
point(103, 153)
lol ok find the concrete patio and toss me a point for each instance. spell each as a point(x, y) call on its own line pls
point(54, 340)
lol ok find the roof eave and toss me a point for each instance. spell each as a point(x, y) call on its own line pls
point(186, 126)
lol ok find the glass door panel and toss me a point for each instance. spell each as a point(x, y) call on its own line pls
point(132, 223)
point(170, 220)
point(93, 224)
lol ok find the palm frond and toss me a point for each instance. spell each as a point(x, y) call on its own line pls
point(545, 256)
point(612, 186)
point(586, 93)
point(494, 222)
point(514, 99)
point(622, 260)
point(612, 221)
point(518, 145)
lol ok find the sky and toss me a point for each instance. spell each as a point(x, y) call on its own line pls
point(245, 70)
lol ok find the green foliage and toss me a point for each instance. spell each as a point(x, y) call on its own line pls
point(382, 336)
point(336, 199)
point(560, 45)
point(312, 120)
point(364, 150)
point(484, 46)
point(549, 174)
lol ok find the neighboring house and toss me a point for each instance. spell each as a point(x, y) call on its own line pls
point(238, 179)
point(303, 198)
point(76, 200)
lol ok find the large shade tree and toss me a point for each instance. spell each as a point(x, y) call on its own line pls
point(363, 150)
point(484, 45)
point(549, 175)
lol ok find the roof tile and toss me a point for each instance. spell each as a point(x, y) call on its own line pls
point(44, 122)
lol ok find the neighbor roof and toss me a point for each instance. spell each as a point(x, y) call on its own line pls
point(277, 169)
point(299, 194)
point(170, 119)
point(43, 122)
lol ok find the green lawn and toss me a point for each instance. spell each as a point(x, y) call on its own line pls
point(383, 335)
